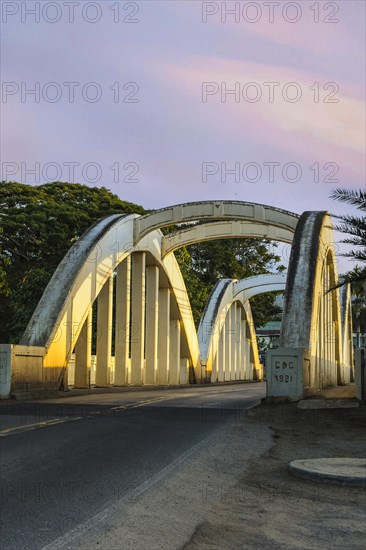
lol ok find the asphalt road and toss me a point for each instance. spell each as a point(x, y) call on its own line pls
point(63, 461)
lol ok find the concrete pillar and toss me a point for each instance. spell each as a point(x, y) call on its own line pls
point(221, 356)
point(83, 355)
point(327, 347)
point(174, 352)
point(163, 335)
point(246, 342)
point(104, 333)
point(239, 354)
point(152, 309)
point(360, 374)
point(320, 336)
point(233, 335)
point(227, 336)
point(214, 371)
point(138, 317)
point(122, 334)
point(184, 371)
point(244, 347)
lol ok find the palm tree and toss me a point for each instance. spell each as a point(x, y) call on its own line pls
point(355, 227)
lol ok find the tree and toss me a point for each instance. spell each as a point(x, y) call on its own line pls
point(355, 227)
point(38, 226)
point(202, 264)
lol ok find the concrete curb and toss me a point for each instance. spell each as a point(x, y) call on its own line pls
point(342, 471)
point(350, 403)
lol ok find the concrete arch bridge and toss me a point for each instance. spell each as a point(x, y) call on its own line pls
point(127, 266)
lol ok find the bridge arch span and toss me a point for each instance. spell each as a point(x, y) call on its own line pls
point(214, 211)
point(310, 342)
point(226, 334)
point(62, 319)
point(224, 229)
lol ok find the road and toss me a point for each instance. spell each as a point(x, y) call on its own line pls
point(66, 462)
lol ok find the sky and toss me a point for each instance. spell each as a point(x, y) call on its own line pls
point(165, 102)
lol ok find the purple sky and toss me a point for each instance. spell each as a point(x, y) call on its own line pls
point(169, 132)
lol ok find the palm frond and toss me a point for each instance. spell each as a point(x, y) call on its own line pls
point(355, 277)
point(351, 196)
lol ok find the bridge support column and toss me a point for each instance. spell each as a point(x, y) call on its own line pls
point(122, 334)
point(163, 335)
point(104, 333)
point(227, 337)
point(221, 356)
point(174, 352)
point(152, 309)
point(248, 364)
point(138, 317)
point(239, 351)
point(233, 336)
point(83, 355)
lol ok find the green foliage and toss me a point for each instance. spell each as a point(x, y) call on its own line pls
point(203, 264)
point(354, 227)
point(38, 226)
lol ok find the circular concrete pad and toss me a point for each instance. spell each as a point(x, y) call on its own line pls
point(346, 471)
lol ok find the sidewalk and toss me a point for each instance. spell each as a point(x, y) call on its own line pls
point(269, 508)
point(336, 392)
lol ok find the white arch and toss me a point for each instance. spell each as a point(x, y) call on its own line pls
point(259, 284)
point(224, 230)
point(228, 294)
point(68, 306)
point(214, 210)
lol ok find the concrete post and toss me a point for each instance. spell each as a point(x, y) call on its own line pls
point(321, 379)
point(221, 356)
point(360, 374)
point(239, 351)
point(174, 352)
point(104, 333)
point(6, 353)
point(83, 355)
point(122, 333)
point(227, 336)
point(163, 335)
point(138, 317)
point(233, 335)
point(286, 370)
point(152, 309)
point(184, 371)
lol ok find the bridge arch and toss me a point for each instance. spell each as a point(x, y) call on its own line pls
point(214, 211)
point(61, 320)
point(224, 229)
point(227, 329)
point(311, 328)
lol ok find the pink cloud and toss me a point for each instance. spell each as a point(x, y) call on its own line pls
point(332, 131)
point(315, 27)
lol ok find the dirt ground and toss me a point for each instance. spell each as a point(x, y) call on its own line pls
point(269, 508)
